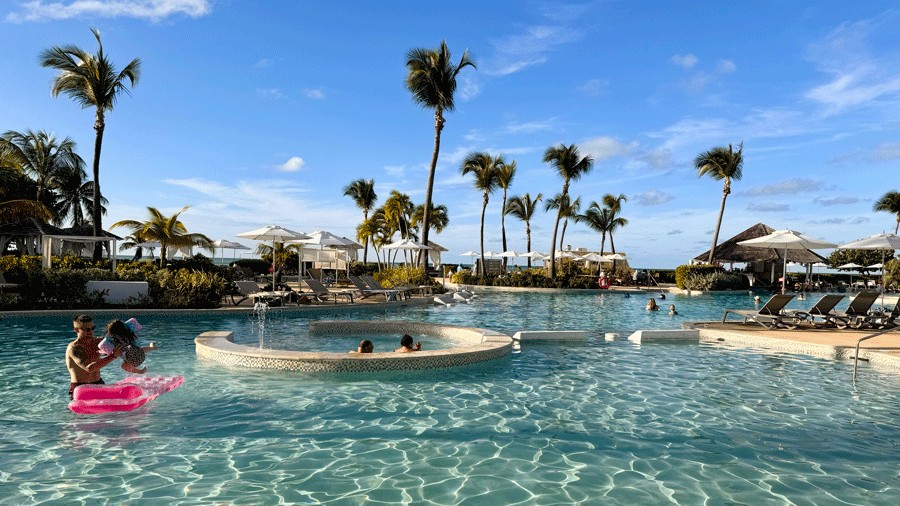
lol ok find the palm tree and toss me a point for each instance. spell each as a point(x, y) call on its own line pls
point(505, 175)
point(523, 208)
point(16, 190)
point(614, 205)
point(167, 230)
point(44, 158)
point(438, 218)
point(568, 210)
point(484, 167)
point(598, 219)
point(570, 166)
point(133, 241)
point(398, 209)
point(432, 82)
point(720, 164)
point(890, 202)
point(74, 198)
point(92, 81)
point(362, 192)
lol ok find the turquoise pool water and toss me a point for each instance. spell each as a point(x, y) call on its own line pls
point(605, 423)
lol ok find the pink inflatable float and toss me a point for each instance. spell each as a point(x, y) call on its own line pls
point(126, 395)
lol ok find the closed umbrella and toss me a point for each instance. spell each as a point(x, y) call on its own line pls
point(785, 240)
point(274, 233)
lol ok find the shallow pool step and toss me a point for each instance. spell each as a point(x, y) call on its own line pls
point(550, 335)
point(665, 336)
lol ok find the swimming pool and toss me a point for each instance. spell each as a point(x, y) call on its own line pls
point(610, 423)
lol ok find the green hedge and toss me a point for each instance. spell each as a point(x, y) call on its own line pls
point(709, 277)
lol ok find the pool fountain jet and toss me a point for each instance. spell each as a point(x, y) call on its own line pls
point(260, 309)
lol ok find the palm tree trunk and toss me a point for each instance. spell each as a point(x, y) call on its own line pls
point(602, 244)
point(553, 249)
point(712, 250)
point(897, 227)
point(438, 126)
point(366, 245)
point(528, 240)
point(503, 227)
point(99, 126)
point(562, 237)
point(483, 210)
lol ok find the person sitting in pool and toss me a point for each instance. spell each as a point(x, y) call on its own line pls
point(365, 346)
point(672, 309)
point(406, 345)
point(120, 334)
point(83, 358)
point(651, 305)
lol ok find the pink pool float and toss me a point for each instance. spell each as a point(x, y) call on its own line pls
point(126, 395)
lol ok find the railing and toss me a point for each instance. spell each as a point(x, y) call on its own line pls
point(870, 336)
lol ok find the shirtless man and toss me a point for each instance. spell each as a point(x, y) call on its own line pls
point(83, 355)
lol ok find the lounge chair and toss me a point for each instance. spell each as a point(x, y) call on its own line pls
point(887, 319)
point(371, 282)
point(322, 293)
point(8, 287)
point(857, 313)
point(245, 290)
point(365, 291)
point(771, 315)
point(824, 309)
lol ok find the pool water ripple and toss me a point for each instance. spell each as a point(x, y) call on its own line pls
point(610, 423)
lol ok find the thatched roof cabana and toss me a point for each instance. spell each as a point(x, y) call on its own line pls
point(731, 252)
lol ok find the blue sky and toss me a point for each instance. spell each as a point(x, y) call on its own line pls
point(261, 112)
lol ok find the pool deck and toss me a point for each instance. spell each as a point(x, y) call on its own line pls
point(882, 351)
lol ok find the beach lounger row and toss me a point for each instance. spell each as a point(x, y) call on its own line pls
point(858, 315)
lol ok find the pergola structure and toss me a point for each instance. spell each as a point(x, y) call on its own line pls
point(33, 237)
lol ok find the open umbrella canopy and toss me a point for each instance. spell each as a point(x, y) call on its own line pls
point(536, 255)
point(786, 240)
point(511, 254)
point(470, 253)
point(877, 241)
point(615, 256)
point(274, 233)
point(851, 265)
point(407, 244)
point(226, 244)
point(490, 253)
point(593, 257)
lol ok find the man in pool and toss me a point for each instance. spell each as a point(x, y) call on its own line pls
point(83, 355)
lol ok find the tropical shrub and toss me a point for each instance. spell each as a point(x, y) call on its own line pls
point(52, 289)
point(186, 289)
point(403, 275)
point(683, 272)
point(718, 280)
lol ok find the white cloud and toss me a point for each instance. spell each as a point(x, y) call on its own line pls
point(270, 92)
point(314, 93)
point(685, 61)
point(726, 67)
point(516, 52)
point(529, 127)
point(39, 10)
point(675, 232)
point(202, 186)
point(263, 63)
point(653, 198)
point(293, 164)
point(395, 170)
point(468, 87)
point(789, 187)
point(767, 207)
point(605, 148)
point(836, 201)
point(886, 152)
point(594, 87)
point(660, 158)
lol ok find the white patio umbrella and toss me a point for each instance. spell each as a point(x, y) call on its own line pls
point(511, 254)
point(226, 244)
point(274, 233)
point(615, 256)
point(850, 266)
point(406, 245)
point(878, 241)
point(470, 253)
point(785, 240)
point(490, 253)
point(325, 239)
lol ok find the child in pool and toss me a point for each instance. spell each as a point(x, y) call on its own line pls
point(365, 346)
point(672, 309)
point(123, 334)
point(651, 305)
point(406, 345)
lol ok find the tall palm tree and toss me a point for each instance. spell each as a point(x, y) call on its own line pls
point(17, 191)
point(484, 168)
point(890, 202)
point(597, 218)
point(505, 176)
point(44, 158)
point(362, 192)
point(92, 81)
point(570, 166)
point(614, 205)
point(523, 208)
point(167, 230)
point(432, 81)
point(720, 163)
point(134, 240)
